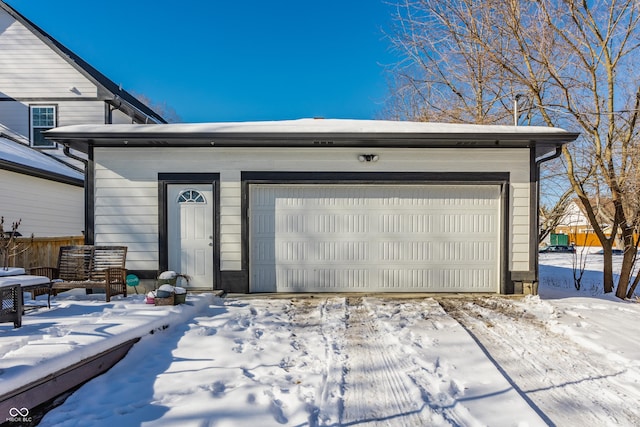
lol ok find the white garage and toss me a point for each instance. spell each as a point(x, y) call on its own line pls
point(320, 205)
point(398, 238)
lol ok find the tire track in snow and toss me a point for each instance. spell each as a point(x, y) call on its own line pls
point(333, 316)
point(565, 381)
point(377, 389)
point(423, 357)
point(317, 325)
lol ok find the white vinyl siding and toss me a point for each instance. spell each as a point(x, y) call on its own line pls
point(15, 116)
point(230, 222)
point(80, 112)
point(131, 220)
point(128, 177)
point(47, 208)
point(118, 117)
point(31, 69)
point(520, 226)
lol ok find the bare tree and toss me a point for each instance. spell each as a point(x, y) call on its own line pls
point(555, 199)
point(569, 63)
point(579, 263)
point(9, 247)
point(162, 108)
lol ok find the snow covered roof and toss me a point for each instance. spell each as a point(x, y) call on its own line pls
point(12, 135)
point(304, 132)
point(20, 158)
point(312, 126)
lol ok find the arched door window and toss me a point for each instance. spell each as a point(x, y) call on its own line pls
point(191, 196)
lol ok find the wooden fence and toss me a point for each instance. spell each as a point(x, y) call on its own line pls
point(584, 239)
point(42, 251)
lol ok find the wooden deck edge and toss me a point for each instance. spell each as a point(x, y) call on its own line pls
point(46, 389)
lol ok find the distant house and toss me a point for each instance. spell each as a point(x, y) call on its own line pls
point(321, 205)
point(576, 225)
point(44, 85)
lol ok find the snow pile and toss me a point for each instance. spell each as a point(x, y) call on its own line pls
point(76, 327)
point(167, 275)
point(11, 271)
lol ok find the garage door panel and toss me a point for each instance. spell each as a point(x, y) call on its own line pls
point(435, 279)
point(403, 251)
point(333, 279)
point(318, 224)
point(374, 237)
point(466, 223)
point(300, 252)
point(462, 252)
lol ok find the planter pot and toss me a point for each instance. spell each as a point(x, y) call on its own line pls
point(180, 298)
point(170, 300)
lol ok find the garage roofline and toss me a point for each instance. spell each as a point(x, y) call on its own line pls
point(310, 133)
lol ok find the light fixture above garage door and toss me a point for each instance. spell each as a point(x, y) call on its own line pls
point(368, 157)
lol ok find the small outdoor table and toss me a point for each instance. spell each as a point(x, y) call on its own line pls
point(12, 290)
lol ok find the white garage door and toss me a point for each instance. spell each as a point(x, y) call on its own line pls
point(402, 238)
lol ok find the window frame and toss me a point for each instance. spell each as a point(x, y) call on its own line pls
point(33, 129)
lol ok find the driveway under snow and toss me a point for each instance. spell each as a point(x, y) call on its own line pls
point(568, 357)
point(360, 361)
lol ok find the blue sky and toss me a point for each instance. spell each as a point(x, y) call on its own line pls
point(233, 60)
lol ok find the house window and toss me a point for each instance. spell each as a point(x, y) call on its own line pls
point(43, 117)
point(191, 196)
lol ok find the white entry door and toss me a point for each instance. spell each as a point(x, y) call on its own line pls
point(190, 229)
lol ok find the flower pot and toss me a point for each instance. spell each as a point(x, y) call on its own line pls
point(180, 298)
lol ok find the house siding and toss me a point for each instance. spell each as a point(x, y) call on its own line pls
point(15, 114)
point(47, 208)
point(123, 190)
point(118, 117)
point(129, 219)
point(31, 69)
point(71, 113)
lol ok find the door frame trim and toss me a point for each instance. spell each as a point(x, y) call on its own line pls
point(166, 179)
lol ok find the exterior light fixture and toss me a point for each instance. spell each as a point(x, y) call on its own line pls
point(368, 157)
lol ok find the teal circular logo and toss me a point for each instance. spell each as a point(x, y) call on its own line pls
point(132, 280)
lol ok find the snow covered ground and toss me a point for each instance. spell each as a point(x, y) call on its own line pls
point(564, 358)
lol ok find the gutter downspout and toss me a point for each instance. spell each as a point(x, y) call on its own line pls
point(67, 152)
point(536, 221)
point(551, 157)
point(85, 162)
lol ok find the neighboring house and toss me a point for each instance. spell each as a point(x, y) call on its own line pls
point(576, 225)
point(574, 220)
point(42, 192)
point(320, 205)
point(43, 85)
